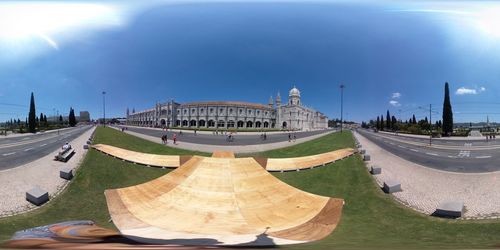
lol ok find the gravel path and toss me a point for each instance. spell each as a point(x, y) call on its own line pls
point(43, 172)
point(425, 188)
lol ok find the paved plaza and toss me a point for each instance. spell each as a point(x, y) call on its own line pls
point(424, 188)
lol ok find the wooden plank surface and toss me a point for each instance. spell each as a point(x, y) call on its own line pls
point(221, 201)
point(156, 160)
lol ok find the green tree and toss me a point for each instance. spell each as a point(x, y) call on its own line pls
point(378, 123)
point(32, 115)
point(71, 117)
point(382, 122)
point(414, 120)
point(60, 119)
point(388, 120)
point(447, 112)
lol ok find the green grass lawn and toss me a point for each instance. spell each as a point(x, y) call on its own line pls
point(371, 219)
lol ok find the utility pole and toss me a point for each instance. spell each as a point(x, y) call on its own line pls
point(430, 124)
point(104, 107)
point(342, 86)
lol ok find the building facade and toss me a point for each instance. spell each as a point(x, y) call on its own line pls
point(292, 115)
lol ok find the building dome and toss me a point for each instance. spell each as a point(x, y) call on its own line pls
point(294, 92)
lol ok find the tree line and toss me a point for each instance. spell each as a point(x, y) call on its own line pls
point(411, 125)
point(32, 123)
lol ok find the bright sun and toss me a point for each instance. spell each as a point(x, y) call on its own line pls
point(34, 20)
point(488, 21)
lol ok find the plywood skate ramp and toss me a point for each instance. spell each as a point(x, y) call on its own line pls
point(156, 160)
point(221, 201)
point(271, 164)
point(290, 164)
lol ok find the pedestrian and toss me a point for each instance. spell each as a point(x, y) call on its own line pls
point(175, 138)
point(294, 137)
point(265, 136)
point(289, 137)
point(195, 132)
point(166, 139)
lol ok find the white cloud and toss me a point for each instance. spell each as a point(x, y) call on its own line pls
point(469, 91)
point(396, 95)
point(394, 103)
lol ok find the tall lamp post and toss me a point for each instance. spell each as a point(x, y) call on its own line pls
point(342, 86)
point(104, 107)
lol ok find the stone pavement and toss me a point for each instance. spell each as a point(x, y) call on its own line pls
point(43, 172)
point(424, 188)
point(235, 149)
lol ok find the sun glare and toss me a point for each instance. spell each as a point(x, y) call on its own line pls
point(488, 21)
point(34, 20)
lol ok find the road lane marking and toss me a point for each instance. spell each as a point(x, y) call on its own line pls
point(452, 156)
point(28, 149)
point(414, 150)
point(483, 157)
point(9, 154)
point(45, 144)
point(434, 154)
point(401, 146)
point(464, 154)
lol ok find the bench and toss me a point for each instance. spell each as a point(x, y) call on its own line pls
point(65, 154)
point(37, 196)
point(392, 186)
point(450, 209)
point(366, 157)
point(85, 146)
point(66, 173)
point(375, 170)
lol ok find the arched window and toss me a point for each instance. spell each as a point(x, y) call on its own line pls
point(266, 124)
point(258, 124)
point(185, 123)
point(249, 124)
point(230, 124)
point(284, 125)
point(192, 123)
point(221, 124)
point(240, 124)
point(201, 123)
point(178, 123)
point(211, 123)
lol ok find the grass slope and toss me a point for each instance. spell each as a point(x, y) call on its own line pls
point(370, 218)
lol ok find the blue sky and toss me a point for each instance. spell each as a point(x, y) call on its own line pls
point(390, 55)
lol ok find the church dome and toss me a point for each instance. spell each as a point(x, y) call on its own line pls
point(294, 92)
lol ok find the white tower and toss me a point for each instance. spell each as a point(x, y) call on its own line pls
point(294, 97)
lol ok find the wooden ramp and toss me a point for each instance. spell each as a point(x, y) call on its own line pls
point(271, 164)
point(305, 162)
point(155, 160)
point(221, 201)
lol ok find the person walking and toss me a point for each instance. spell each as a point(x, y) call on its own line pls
point(289, 137)
point(175, 139)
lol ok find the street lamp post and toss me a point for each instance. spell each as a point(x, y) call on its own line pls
point(342, 86)
point(104, 107)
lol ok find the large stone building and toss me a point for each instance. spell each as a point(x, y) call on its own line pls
point(292, 115)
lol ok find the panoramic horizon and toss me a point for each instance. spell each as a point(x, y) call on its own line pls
point(390, 56)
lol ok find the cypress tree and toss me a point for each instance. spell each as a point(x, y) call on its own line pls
point(71, 117)
point(414, 120)
point(32, 115)
point(388, 120)
point(447, 112)
point(382, 122)
point(378, 123)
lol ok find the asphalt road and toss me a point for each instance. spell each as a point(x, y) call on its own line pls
point(210, 139)
point(470, 157)
point(16, 151)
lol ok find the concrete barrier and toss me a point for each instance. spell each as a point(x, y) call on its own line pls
point(85, 146)
point(362, 151)
point(450, 209)
point(375, 170)
point(37, 196)
point(66, 173)
point(366, 157)
point(392, 186)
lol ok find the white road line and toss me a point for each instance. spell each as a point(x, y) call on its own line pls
point(451, 156)
point(8, 154)
point(483, 157)
point(434, 154)
point(414, 150)
point(28, 149)
point(45, 144)
point(401, 146)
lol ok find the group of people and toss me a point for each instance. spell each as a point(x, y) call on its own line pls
point(292, 137)
point(263, 136)
point(490, 137)
point(164, 138)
